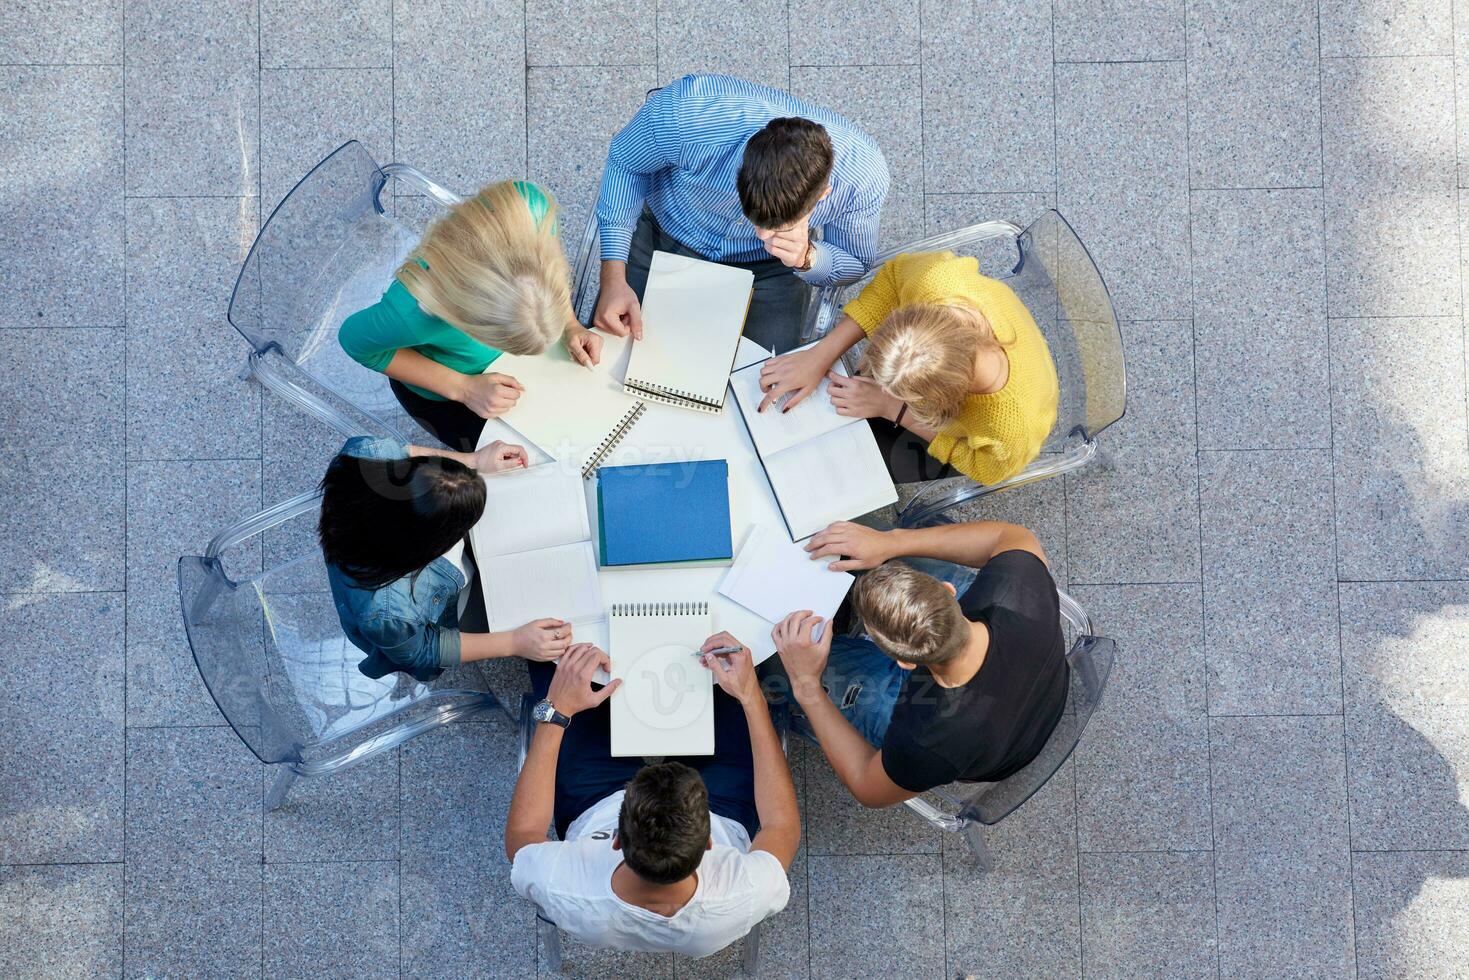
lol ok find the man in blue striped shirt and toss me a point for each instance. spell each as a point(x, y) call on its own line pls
point(734, 172)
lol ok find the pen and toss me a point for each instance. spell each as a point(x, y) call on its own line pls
point(718, 651)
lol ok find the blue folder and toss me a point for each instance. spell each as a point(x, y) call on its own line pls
point(664, 513)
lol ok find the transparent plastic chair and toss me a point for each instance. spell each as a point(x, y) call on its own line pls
point(273, 656)
point(329, 249)
point(1053, 274)
point(550, 935)
point(963, 808)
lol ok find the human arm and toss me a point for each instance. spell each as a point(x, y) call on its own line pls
point(531, 805)
point(849, 241)
point(857, 764)
point(972, 543)
point(800, 372)
point(540, 639)
point(775, 794)
point(488, 395)
point(496, 457)
point(584, 346)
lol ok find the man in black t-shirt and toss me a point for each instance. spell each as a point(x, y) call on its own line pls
point(945, 687)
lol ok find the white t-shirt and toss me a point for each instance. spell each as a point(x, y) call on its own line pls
point(571, 882)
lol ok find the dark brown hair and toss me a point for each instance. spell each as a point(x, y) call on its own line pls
point(784, 171)
point(382, 519)
point(663, 827)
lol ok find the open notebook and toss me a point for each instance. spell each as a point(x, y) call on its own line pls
point(693, 313)
point(665, 705)
point(822, 466)
point(533, 546)
point(574, 415)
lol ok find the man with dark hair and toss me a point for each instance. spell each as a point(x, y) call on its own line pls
point(727, 170)
point(950, 682)
point(683, 856)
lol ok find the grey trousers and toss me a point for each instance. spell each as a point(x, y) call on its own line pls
point(776, 309)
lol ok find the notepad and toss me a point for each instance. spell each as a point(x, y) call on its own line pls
point(774, 577)
point(664, 513)
point(693, 313)
point(533, 545)
point(573, 414)
point(822, 466)
point(665, 705)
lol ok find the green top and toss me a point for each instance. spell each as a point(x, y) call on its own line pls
point(372, 336)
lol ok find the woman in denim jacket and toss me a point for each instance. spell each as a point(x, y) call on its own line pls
point(393, 523)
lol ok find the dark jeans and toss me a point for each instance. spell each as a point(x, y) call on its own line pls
point(447, 421)
point(907, 455)
point(587, 772)
point(776, 309)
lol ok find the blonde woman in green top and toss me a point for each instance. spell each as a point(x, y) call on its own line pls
point(487, 277)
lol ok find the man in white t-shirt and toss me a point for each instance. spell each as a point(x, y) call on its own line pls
point(683, 856)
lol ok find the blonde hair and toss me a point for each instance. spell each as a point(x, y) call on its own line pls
point(910, 615)
point(924, 354)
point(494, 272)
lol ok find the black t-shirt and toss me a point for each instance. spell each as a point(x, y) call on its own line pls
point(994, 725)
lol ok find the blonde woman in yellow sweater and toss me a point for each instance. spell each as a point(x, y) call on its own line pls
point(956, 377)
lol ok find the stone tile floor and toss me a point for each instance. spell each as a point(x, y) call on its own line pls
point(1276, 534)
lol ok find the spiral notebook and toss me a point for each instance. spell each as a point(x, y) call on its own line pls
point(693, 313)
point(665, 705)
point(573, 414)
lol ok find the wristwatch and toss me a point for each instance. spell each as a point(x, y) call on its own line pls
point(810, 257)
point(545, 711)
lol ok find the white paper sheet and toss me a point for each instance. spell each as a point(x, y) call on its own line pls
point(526, 509)
point(773, 430)
point(773, 577)
point(665, 705)
point(834, 477)
point(559, 583)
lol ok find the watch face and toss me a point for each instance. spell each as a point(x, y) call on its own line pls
point(542, 711)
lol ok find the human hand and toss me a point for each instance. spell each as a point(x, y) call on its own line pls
point(489, 395)
point(789, 244)
point(860, 398)
point(798, 374)
point(735, 672)
point(499, 456)
point(584, 346)
point(618, 311)
point(855, 545)
point(541, 639)
point(803, 656)
point(571, 687)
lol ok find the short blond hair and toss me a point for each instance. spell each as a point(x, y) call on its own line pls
point(911, 616)
point(494, 272)
point(923, 354)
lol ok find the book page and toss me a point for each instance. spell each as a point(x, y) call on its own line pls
point(773, 577)
point(834, 477)
point(773, 430)
point(566, 410)
point(665, 705)
point(556, 583)
point(693, 314)
point(526, 509)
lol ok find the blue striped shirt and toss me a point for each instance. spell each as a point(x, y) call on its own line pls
point(682, 151)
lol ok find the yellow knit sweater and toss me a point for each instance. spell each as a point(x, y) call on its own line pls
point(996, 434)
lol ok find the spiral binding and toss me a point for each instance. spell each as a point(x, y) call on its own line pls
point(618, 433)
point(659, 609)
point(671, 396)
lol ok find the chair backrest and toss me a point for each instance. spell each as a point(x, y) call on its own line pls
point(272, 653)
point(1054, 276)
point(1090, 659)
point(329, 249)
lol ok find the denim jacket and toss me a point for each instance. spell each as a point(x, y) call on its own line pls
point(410, 625)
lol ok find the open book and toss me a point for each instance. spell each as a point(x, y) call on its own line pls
point(574, 415)
point(693, 313)
point(665, 705)
point(534, 550)
point(822, 466)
